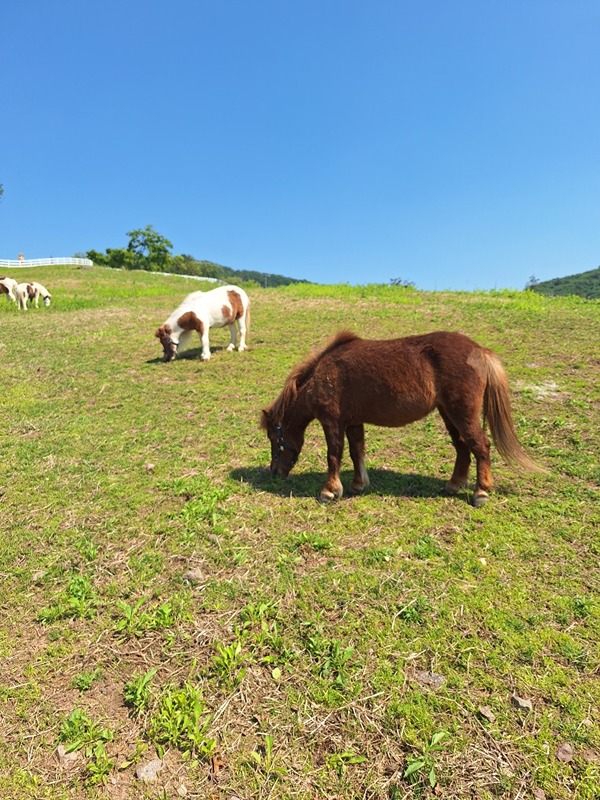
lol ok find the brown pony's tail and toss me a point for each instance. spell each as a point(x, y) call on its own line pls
point(497, 412)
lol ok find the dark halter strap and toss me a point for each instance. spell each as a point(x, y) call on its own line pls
point(283, 447)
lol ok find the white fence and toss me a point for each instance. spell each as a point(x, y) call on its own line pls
point(45, 262)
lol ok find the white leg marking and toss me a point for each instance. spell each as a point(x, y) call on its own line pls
point(231, 345)
point(205, 347)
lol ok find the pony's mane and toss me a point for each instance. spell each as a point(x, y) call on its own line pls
point(302, 372)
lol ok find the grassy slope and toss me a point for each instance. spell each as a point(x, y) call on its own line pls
point(303, 640)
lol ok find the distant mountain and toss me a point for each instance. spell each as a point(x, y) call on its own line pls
point(263, 278)
point(188, 265)
point(584, 284)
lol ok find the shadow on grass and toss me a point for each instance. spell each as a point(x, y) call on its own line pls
point(191, 354)
point(309, 484)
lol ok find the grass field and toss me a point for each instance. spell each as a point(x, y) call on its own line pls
point(164, 599)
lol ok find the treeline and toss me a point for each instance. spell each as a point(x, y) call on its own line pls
point(149, 250)
point(584, 284)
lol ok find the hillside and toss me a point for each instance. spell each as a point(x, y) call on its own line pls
point(263, 278)
point(173, 613)
point(187, 265)
point(584, 284)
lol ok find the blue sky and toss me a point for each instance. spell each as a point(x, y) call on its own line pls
point(452, 143)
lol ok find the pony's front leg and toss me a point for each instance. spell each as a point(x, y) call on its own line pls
point(231, 345)
point(356, 440)
point(333, 489)
point(205, 345)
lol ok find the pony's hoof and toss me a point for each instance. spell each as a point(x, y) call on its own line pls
point(357, 489)
point(455, 488)
point(328, 497)
point(480, 499)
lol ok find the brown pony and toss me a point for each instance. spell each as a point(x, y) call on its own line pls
point(394, 382)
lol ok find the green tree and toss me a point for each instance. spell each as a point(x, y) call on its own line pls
point(188, 265)
point(100, 259)
point(119, 258)
point(211, 270)
point(149, 250)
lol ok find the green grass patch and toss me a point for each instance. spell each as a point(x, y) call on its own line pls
point(163, 597)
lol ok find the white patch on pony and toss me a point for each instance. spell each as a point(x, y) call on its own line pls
point(364, 476)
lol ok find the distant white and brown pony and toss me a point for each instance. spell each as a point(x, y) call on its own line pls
point(35, 290)
point(31, 293)
point(200, 311)
point(8, 286)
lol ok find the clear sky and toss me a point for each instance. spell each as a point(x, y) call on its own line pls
point(452, 143)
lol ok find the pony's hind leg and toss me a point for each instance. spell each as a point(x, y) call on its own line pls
point(356, 441)
point(479, 445)
point(242, 331)
point(460, 473)
point(466, 422)
point(231, 345)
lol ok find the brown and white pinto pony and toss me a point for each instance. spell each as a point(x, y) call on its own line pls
point(35, 290)
point(200, 311)
point(8, 287)
point(394, 382)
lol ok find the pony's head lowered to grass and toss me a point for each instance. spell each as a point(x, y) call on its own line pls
point(285, 447)
point(287, 418)
point(168, 345)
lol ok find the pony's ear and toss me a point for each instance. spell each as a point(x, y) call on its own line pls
point(158, 332)
point(265, 418)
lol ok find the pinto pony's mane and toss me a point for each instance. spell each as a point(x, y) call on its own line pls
point(298, 377)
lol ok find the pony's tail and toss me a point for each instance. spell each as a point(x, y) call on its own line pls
point(247, 321)
point(497, 413)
